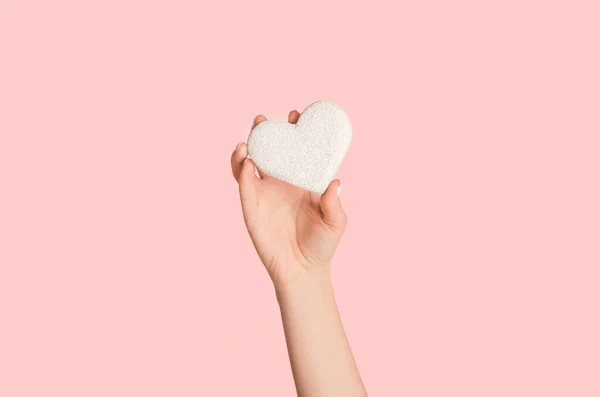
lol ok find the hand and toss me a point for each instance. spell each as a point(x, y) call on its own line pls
point(294, 231)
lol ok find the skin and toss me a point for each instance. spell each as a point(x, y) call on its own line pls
point(295, 233)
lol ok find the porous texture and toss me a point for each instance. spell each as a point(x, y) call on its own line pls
point(306, 154)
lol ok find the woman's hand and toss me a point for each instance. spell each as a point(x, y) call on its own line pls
point(294, 231)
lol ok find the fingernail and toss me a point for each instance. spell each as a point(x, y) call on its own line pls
point(339, 189)
point(238, 147)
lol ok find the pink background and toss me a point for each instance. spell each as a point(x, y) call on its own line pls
point(471, 262)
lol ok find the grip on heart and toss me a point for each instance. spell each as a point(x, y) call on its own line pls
point(306, 154)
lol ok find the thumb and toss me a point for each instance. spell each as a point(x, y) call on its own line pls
point(331, 205)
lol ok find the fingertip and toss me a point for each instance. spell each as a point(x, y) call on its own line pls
point(241, 150)
point(331, 205)
point(248, 170)
point(334, 188)
point(330, 198)
point(246, 163)
point(293, 117)
point(258, 119)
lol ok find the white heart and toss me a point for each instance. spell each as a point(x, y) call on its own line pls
point(305, 154)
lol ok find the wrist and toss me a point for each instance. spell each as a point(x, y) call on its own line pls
point(313, 284)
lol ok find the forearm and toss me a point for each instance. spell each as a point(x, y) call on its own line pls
point(321, 359)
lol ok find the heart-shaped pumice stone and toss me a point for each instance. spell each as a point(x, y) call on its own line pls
point(306, 154)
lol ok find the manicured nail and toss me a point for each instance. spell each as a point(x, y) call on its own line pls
point(238, 147)
point(339, 189)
